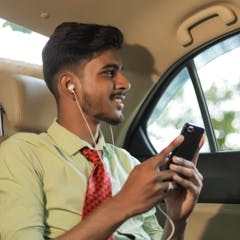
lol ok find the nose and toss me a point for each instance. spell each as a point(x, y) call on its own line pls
point(122, 82)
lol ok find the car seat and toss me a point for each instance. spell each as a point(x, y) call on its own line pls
point(26, 105)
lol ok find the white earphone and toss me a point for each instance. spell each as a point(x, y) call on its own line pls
point(71, 87)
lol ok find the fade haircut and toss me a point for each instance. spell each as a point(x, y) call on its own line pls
point(74, 42)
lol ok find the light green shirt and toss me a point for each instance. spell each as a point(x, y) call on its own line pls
point(43, 180)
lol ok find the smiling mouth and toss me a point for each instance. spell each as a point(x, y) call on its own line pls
point(119, 98)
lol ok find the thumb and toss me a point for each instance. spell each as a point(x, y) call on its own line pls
point(195, 158)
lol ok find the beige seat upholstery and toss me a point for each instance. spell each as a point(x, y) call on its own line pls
point(26, 105)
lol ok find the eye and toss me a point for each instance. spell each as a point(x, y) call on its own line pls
point(110, 73)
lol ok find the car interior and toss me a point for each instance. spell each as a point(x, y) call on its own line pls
point(26, 105)
point(182, 59)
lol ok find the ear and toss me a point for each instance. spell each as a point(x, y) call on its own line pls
point(67, 84)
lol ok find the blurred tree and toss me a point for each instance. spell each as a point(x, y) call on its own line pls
point(16, 27)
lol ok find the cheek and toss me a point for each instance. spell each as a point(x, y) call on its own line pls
point(95, 102)
point(97, 96)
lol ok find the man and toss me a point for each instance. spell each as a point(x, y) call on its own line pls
point(44, 178)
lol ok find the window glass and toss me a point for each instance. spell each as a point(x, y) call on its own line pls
point(19, 43)
point(218, 69)
point(177, 105)
point(217, 73)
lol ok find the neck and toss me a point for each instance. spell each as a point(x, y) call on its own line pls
point(82, 131)
point(86, 130)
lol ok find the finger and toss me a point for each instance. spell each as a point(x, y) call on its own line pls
point(183, 162)
point(167, 187)
point(165, 175)
point(192, 186)
point(188, 173)
point(196, 155)
point(193, 182)
point(170, 187)
point(161, 158)
point(185, 168)
point(201, 142)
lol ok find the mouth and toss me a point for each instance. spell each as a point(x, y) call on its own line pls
point(118, 99)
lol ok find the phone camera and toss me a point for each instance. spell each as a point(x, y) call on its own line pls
point(190, 129)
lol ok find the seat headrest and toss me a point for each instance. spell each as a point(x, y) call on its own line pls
point(27, 103)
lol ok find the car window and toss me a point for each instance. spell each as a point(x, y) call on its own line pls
point(27, 48)
point(206, 92)
point(177, 105)
point(218, 70)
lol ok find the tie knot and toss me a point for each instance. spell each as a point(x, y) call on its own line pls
point(91, 155)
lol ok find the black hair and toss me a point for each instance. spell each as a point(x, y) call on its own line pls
point(74, 42)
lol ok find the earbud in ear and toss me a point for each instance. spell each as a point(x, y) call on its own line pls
point(71, 87)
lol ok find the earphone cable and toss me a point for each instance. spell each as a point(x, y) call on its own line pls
point(169, 220)
point(84, 118)
point(113, 143)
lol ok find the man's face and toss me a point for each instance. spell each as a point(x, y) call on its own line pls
point(103, 88)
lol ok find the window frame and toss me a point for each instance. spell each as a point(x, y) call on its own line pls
point(148, 105)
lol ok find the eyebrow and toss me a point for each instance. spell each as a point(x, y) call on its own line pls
point(114, 66)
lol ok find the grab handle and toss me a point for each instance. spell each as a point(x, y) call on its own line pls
point(225, 13)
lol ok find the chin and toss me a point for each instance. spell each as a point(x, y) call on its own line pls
point(113, 120)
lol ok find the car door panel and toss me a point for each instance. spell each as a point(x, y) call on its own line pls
point(213, 221)
point(218, 209)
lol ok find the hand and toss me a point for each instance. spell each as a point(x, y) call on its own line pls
point(146, 185)
point(180, 202)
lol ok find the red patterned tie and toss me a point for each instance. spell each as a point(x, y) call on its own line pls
point(99, 187)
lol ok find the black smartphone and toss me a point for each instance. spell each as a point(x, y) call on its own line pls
point(192, 136)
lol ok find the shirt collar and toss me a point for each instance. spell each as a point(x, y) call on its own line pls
point(68, 141)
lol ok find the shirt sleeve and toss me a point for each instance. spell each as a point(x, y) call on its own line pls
point(21, 195)
point(151, 225)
